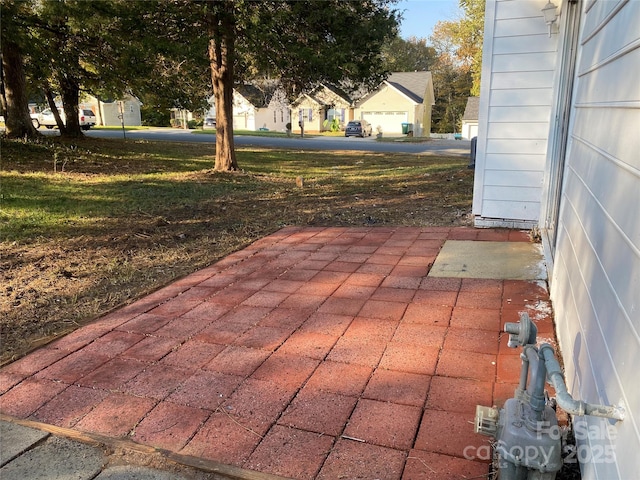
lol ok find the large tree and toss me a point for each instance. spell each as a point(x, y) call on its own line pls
point(301, 42)
point(77, 47)
point(111, 47)
point(410, 55)
point(14, 101)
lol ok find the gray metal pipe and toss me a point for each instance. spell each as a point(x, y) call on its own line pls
point(564, 398)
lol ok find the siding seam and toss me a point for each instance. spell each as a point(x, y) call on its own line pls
point(588, 293)
point(604, 21)
point(633, 104)
point(613, 57)
point(633, 171)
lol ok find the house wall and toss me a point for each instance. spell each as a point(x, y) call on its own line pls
point(518, 67)
point(310, 125)
point(110, 113)
point(265, 118)
point(469, 129)
point(595, 283)
point(244, 113)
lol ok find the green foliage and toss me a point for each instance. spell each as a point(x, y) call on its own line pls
point(153, 116)
point(305, 45)
point(411, 55)
point(451, 88)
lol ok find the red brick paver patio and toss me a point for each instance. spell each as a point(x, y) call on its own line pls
point(313, 353)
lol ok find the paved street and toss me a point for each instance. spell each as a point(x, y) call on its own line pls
point(433, 147)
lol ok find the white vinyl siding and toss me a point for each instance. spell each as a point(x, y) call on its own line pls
point(596, 276)
point(516, 97)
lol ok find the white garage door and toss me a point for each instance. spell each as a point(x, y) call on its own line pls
point(390, 122)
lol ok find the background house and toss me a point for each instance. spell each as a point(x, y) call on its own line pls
point(318, 108)
point(558, 149)
point(256, 107)
point(470, 118)
point(108, 113)
point(405, 97)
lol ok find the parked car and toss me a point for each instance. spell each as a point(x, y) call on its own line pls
point(210, 122)
point(358, 128)
point(45, 118)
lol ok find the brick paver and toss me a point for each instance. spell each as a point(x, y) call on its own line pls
point(315, 353)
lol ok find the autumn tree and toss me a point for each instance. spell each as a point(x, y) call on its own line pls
point(456, 73)
point(460, 41)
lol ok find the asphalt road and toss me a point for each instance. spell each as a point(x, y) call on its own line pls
point(433, 147)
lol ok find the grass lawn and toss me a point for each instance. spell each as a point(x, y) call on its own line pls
point(89, 226)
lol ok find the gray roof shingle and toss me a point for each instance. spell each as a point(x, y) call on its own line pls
point(472, 109)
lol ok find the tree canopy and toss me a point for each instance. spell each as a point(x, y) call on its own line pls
point(461, 40)
point(165, 48)
point(297, 42)
point(410, 55)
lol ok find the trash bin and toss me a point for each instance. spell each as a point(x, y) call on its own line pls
point(472, 154)
point(407, 127)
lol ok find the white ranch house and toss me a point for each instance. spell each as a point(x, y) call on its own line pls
point(558, 143)
point(316, 109)
point(257, 108)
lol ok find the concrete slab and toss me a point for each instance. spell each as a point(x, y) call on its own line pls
point(16, 439)
point(128, 472)
point(497, 260)
point(56, 458)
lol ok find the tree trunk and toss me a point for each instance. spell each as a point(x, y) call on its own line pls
point(3, 96)
point(70, 91)
point(53, 107)
point(17, 120)
point(221, 58)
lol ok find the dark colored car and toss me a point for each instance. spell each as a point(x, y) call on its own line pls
point(358, 128)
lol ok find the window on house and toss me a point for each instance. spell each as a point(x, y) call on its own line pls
point(274, 117)
point(335, 113)
point(306, 114)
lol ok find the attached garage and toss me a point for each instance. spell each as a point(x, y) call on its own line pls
point(405, 97)
point(386, 121)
